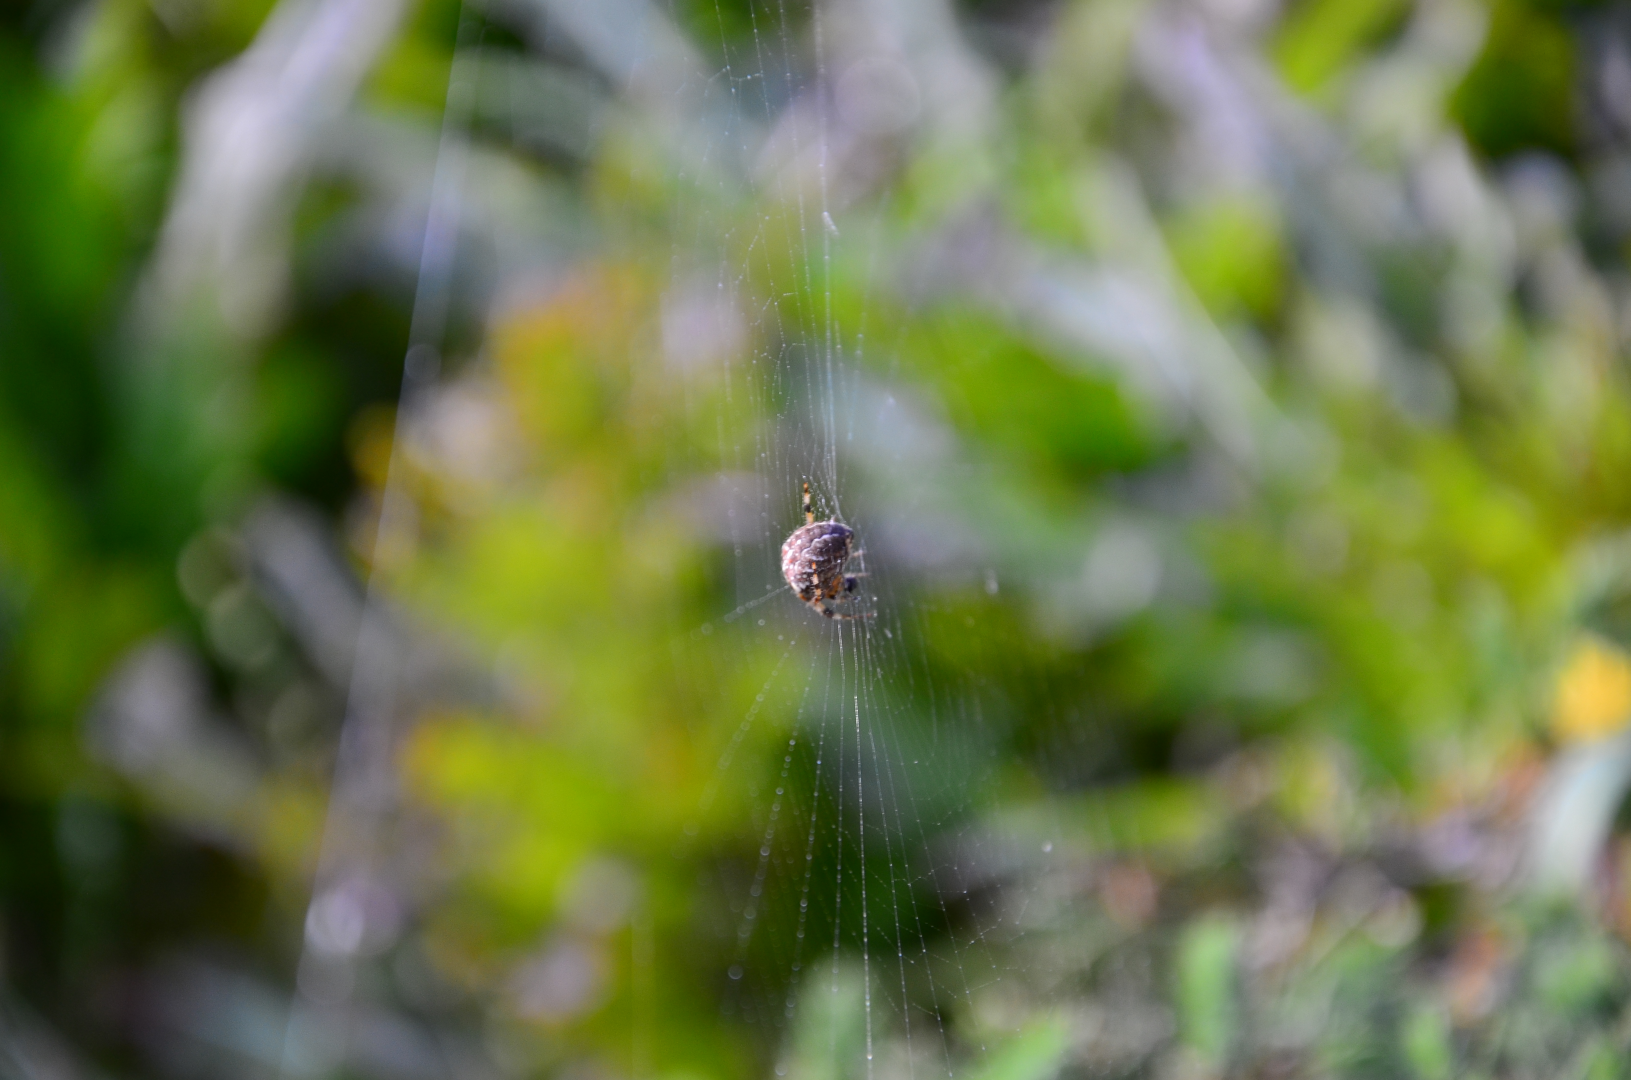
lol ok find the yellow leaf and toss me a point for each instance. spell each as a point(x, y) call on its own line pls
point(1593, 692)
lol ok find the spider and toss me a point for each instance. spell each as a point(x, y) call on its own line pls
point(813, 561)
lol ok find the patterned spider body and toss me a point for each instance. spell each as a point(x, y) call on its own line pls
point(813, 560)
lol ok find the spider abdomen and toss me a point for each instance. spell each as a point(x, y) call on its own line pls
point(813, 560)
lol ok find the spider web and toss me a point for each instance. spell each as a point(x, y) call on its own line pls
point(861, 929)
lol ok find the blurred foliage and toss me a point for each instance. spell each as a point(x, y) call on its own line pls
point(1229, 400)
point(1520, 94)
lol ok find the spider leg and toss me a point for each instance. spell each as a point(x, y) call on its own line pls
point(809, 507)
point(844, 597)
